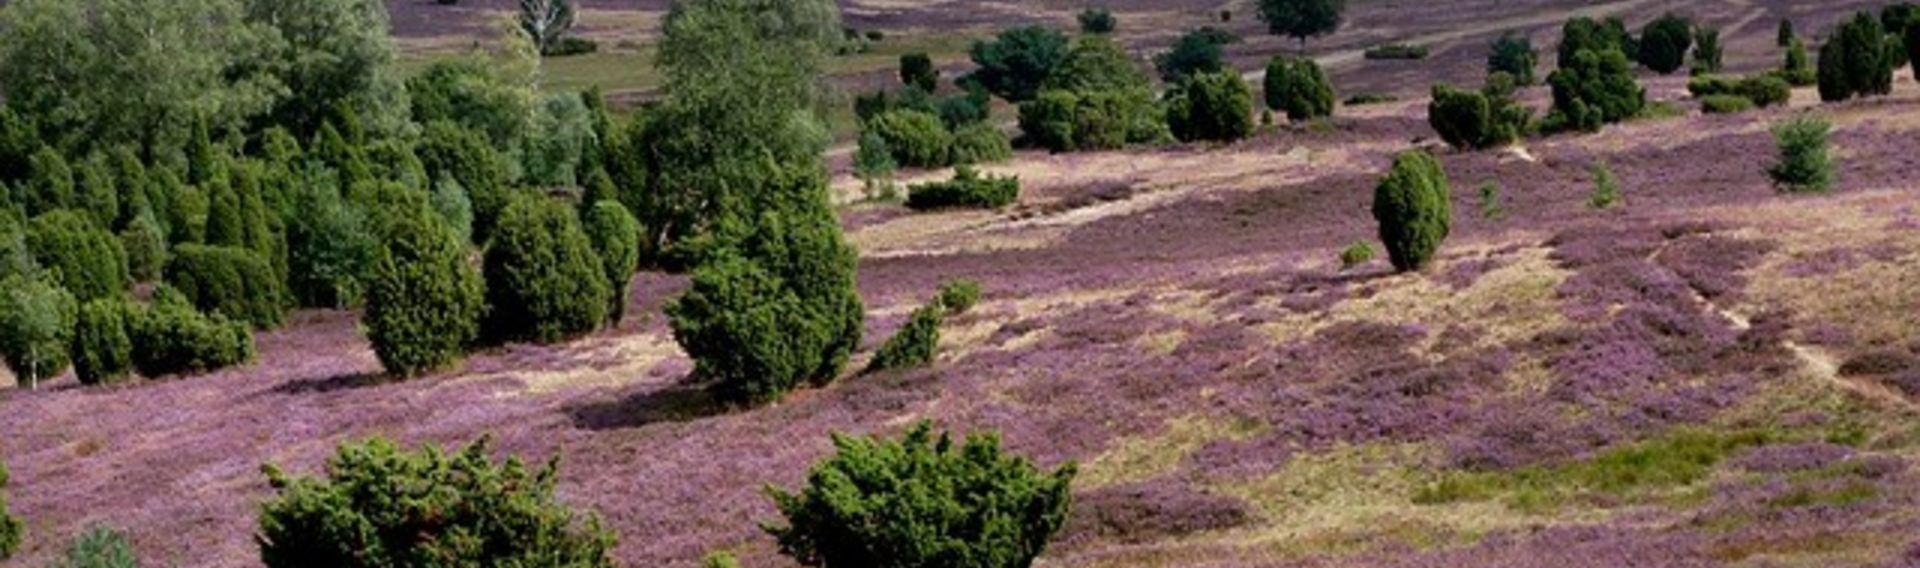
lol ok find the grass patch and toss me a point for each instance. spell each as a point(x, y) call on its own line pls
point(1844, 495)
point(1638, 470)
point(1142, 458)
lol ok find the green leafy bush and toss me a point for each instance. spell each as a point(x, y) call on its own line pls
point(1198, 51)
point(913, 345)
point(917, 139)
point(36, 326)
point(917, 71)
point(172, 338)
point(616, 239)
point(102, 352)
point(1211, 106)
point(87, 260)
point(1414, 210)
point(544, 282)
point(1067, 121)
point(382, 506)
point(1396, 51)
point(1664, 43)
point(1855, 61)
point(873, 164)
point(1513, 54)
point(1468, 119)
point(1725, 104)
point(1587, 34)
point(1018, 60)
point(228, 280)
point(967, 189)
point(1097, 21)
point(1804, 164)
point(99, 547)
point(1363, 99)
point(1355, 255)
point(980, 143)
point(1301, 19)
point(1594, 89)
point(10, 526)
point(330, 248)
point(424, 301)
point(1707, 55)
point(1766, 90)
point(960, 295)
point(1298, 87)
point(922, 501)
point(1606, 190)
point(452, 152)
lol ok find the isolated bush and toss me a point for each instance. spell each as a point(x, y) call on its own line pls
point(1018, 60)
point(172, 338)
point(616, 239)
point(10, 526)
point(1798, 69)
point(922, 501)
point(1356, 254)
point(228, 280)
point(979, 144)
point(146, 247)
point(102, 352)
point(1664, 43)
point(1413, 206)
point(424, 301)
point(1211, 106)
point(1855, 61)
point(1301, 19)
point(1299, 87)
point(544, 282)
point(967, 189)
point(99, 547)
point(381, 506)
point(1725, 104)
point(1804, 164)
point(917, 71)
point(913, 345)
point(1198, 51)
point(958, 296)
point(917, 139)
point(36, 326)
point(1765, 90)
point(1783, 35)
point(1606, 190)
point(873, 163)
point(1707, 56)
point(1097, 21)
point(1469, 119)
point(1396, 51)
point(85, 258)
point(1595, 89)
point(1514, 55)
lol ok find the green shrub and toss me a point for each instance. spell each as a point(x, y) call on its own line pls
point(1018, 60)
point(1363, 99)
point(1491, 206)
point(451, 203)
point(330, 248)
point(1097, 21)
point(424, 301)
point(917, 71)
point(1301, 19)
point(1468, 119)
point(1211, 106)
point(1606, 190)
point(1707, 55)
point(980, 143)
point(99, 547)
point(1198, 51)
point(1587, 34)
point(1355, 255)
point(719, 560)
point(451, 152)
point(16, 256)
point(1855, 61)
point(967, 189)
point(1298, 87)
point(616, 239)
point(1396, 51)
point(228, 280)
point(1664, 43)
point(1595, 89)
point(1514, 55)
point(10, 526)
point(960, 295)
point(36, 326)
point(1096, 64)
point(913, 345)
point(1413, 208)
point(50, 185)
point(1708, 85)
point(917, 139)
point(1066, 121)
point(572, 45)
point(544, 282)
point(1783, 35)
point(873, 163)
point(1765, 90)
point(1725, 104)
point(382, 506)
point(86, 259)
point(1798, 69)
point(922, 501)
point(1804, 164)
point(146, 248)
point(186, 212)
point(172, 338)
point(102, 352)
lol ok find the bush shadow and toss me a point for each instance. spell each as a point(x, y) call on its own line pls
point(677, 403)
point(349, 381)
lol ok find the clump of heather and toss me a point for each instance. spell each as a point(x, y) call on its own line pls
point(1148, 512)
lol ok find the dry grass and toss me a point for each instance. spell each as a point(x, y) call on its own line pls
point(1142, 458)
point(1875, 300)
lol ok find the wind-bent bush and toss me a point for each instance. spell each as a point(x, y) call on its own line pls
point(1514, 55)
point(102, 352)
point(36, 326)
point(917, 71)
point(172, 338)
point(1469, 119)
point(1664, 43)
point(1211, 106)
point(922, 501)
point(10, 526)
point(382, 506)
point(424, 302)
point(616, 239)
point(958, 296)
point(1804, 164)
point(99, 547)
point(979, 144)
point(87, 260)
point(228, 280)
point(1594, 89)
point(917, 139)
point(544, 282)
point(1014, 64)
point(1197, 51)
point(913, 345)
point(1299, 87)
point(967, 189)
point(1855, 62)
point(1414, 210)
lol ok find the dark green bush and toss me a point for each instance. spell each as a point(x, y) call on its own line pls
point(1783, 35)
point(967, 189)
point(979, 144)
point(1469, 119)
point(1396, 51)
point(1707, 56)
point(146, 248)
point(1096, 64)
point(1725, 104)
point(382, 506)
point(1363, 99)
point(1490, 203)
point(1855, 61)
point(1414, 209)
point(1301, 19)
point(958, 296)
point(1197, 51)
point(1211, 106)
point(424, 301)
point(16, 257)
point(913, 345)
point(10, 526)
point(917, 71)
point(616, 239)
point(49, 185)
point(102, 352)
point(1804, 164)
point(1015, 63)
point(1765, 90)
point(1606, 190)
point(1709, 85)
point(922, 501)
point(451, 152)
point(1514, 55)
point(1356, 254)
point(917, 139)
point(1067, 121)
point(1587, 34)
point(36, 326)
point(1299, 87)
point(99, 547)
point(172, 338)
point(572, 45)
point(1798, 69)
point(544, 282)
point(1664, 43)
point(1097, 21)
point(228, 280)
point(87, 259)
point(1595, 89)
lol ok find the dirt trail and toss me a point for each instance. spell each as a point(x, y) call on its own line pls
point(1820, 365)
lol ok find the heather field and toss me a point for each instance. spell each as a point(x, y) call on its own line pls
point(1712, 373)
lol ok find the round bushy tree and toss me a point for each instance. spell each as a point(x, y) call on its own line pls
point(979, 144)
point(917, 71)
point(1804, 165)
point(1211, 106)
point(1513, 54)
point(616, 238)
point(1414, 210)
point(102, 352)
point(172, 338)
point(424, 301)
point(36, 326)
point(233, 281)
point(1301, 19)
point(1014, 64)
point(1855, 62)
point(1664, 43)
point(1299, 87)
point(922, 501)
point(917, 139)
point(1596, 89)
point(87, 259)
point(544, 282)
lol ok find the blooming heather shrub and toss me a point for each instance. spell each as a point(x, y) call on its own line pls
point(544, 282)
point(922, 501)
point(1804, 165)
point(1725, 104)
point(917, 139)
point(36, 326)
point(960, 295)
point(913, 345)
point(1606, 191)
point(1210, 106)
point(1299, 87)
point(1855, 61)
point(1413, 208)
point(424, 301)
point(980, 143)
point(83, 256)
point(1356, 254)
point(172, 338)
point(102, 352)
point(968, 189)
point(228, 280)
point(616, 238)
point(1148, 512)
point(379, 505)
point(99, 547)
point(10, 526)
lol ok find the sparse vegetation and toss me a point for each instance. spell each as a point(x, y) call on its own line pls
point(1804, 165)
point(1356, 254)
point(1725, 104)
point(1414, 208)
point(1492, 207)
point(99, 547)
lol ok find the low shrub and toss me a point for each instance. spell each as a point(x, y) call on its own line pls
point(1414, 210)
point(1804, 164)
point(424, 301)
point(1469, 119)
point(958, 296)
point(1725, 104)
point(1701, 86)
point(1606, 191)
point(36, 326)
point(572, 45)
point(1201, 50)
point(381, 506)
point(1393, 51)
point(228, 280)
point(99, 547)
point(1210, 106)
point(1355, 255)
point(913, 345)
point(102, 352)
point(172, 338)
point(1298, 87)
point(980, 143)
point(916, 138)
point(544, 282)
point(967, 189)
point(1363, 99)
point(922, 501)
point(1766, 90)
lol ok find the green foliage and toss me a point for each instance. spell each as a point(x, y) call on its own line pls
point(50, 184)
point(467, 93)
point(86, 259)
point(1299, 87)
point(99, 547)
point(916, 139)
point(1804, 164)
point(1765, 90)
point(1680, 458)
point(1301, 19)
point(546, 22)
point(102, 352)
point(232, 281)
point(873, 163)
point(1707, 55)
point(96, 192)
point(616, 239)
point(36, 328)
point(1664, 43)
point(1358, 99)
point(562, 130)
point(10, 526)
point(980, 143)
point(1798, 69)
point(1356, 254)
point(1413, 206)
point(331, 245)
point(917, 71)
point(455, 208)
point(172, 338)
point(1211, 106)
point(958, 296)
point(187, 205)
point(1491, 206)
point(922, 501)
point(146, 248)
point(1469, 119)
point(1783, 36)
point(1606, 190)
point(1095, 64)
point(1513, 54)
point(1098, 20)
point(914, 344)
point(16, 257)
point(1596, 88)
point(1587, 34)
point(459, 155)
point(424, 301)
point(1067, 121)
point(1725, 104)
point(1855, 61)
point(720, 560)
point(382, 506)
point(1396, 51)
point(336, 58)
point(967, 189)
point(1014, 64)
point(1198, 51)
point(544, 282)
